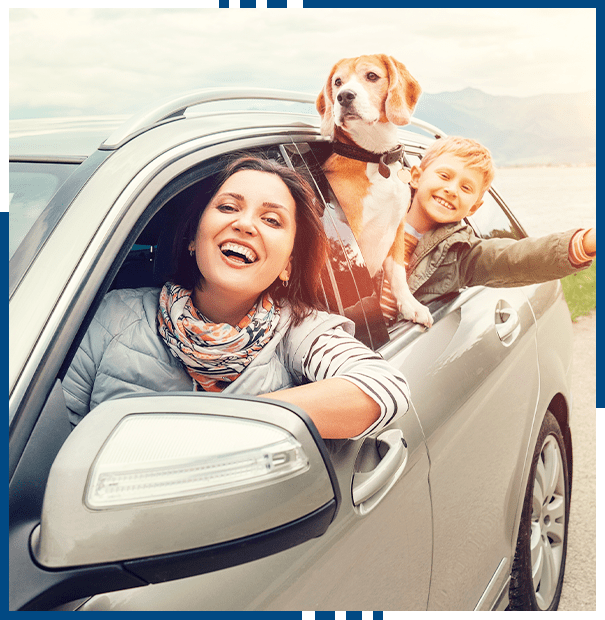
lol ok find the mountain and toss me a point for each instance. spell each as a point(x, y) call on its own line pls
point(544, 129)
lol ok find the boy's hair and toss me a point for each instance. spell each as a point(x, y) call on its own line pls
point(474, 154)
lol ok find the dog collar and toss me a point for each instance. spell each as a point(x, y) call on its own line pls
point(351, 151)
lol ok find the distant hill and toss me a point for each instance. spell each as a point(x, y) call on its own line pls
point(545, 129)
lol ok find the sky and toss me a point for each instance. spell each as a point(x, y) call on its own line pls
point(72, 62)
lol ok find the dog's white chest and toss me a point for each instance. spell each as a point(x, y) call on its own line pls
point(384, 208)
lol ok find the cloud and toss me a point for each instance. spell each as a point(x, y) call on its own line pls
point(115, 60)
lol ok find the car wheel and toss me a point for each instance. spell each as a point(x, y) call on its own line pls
point(539, 564)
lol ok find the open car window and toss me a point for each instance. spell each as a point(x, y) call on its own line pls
point(492, 220)
point(346, 274)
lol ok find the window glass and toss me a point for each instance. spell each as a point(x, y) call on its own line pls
point(31, 186)
point(354, 290)
point(491, 220)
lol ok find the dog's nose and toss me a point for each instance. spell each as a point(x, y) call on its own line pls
point(345, 97)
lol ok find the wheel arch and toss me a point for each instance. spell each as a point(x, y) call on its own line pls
point(559, 408)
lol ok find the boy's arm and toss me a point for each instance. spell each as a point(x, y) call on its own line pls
point(505, 262)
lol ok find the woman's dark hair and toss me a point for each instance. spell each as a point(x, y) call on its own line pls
point(310, 243)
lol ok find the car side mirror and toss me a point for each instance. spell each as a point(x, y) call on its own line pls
point(154, 488)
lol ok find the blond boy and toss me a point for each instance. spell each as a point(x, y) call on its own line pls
point(443, 254)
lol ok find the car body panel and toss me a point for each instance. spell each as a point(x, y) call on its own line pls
point(465, 422)
point(354, 564)
point(441, 532)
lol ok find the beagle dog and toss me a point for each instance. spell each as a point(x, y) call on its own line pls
point(361, 105)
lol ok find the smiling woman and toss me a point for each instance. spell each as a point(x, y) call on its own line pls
point(241, 314)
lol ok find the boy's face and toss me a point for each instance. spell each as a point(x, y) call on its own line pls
point(447, 190)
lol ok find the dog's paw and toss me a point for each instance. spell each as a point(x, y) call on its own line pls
point(413, 310)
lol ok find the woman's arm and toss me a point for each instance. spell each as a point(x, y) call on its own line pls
point(352, 389)
point(337, 407)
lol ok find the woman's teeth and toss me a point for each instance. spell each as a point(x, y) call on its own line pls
point(238, 251)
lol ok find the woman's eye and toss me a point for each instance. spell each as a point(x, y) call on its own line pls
point(225, 208)
point(272, 221)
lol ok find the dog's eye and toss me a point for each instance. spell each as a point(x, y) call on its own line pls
point(372, 76)
point(337, 82)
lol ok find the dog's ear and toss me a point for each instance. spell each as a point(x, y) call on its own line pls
point(403, 93)
point(325, 106)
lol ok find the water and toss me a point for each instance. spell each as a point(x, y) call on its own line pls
point(550, 199)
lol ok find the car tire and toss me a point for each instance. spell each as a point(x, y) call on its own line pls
point(539, 564)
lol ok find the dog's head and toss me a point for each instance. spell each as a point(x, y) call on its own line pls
point(367, 90)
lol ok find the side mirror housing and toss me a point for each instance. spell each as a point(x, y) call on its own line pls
point(173, 485)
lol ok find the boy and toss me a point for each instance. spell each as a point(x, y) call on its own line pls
point(444, 255)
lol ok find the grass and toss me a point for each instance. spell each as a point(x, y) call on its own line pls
point(580, 290)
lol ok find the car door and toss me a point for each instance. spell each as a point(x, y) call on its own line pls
point(475, 384)
point(376, 554)
point(475, 381)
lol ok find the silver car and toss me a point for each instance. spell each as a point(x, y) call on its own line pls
point(460, 504)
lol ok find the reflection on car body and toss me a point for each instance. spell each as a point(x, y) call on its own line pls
point(437, 528)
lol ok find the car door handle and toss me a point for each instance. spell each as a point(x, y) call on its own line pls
point(367, 484)
point(507, 321)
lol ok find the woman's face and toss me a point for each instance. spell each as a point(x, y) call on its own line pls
point(246, 235)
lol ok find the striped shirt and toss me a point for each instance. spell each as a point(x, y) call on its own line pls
point(577, 254)
point(335, 353)
point(388, 304)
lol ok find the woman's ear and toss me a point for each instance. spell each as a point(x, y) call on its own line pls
point(284, 276)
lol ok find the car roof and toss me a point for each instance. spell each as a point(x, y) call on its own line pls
point(56, 138)
point(61, 137)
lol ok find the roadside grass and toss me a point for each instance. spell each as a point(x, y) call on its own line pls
point(580, 290)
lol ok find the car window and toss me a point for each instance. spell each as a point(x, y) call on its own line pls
point(147, 259)
point(492, 220)
point(346, 274)
point(31, 186)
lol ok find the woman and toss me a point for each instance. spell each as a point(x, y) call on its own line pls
point(241, 315)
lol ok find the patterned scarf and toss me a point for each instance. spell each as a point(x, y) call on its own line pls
point(214, 354)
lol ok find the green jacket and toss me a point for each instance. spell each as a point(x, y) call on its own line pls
point(451, 257)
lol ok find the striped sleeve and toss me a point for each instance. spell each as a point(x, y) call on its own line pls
point(577, 254)
point(335, 353)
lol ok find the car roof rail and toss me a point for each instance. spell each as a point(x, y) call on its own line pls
point(431, 129)
point(174, 107)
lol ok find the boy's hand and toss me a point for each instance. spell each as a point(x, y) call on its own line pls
point(590, 241)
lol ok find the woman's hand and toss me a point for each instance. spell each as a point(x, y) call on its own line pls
point(338, 408)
